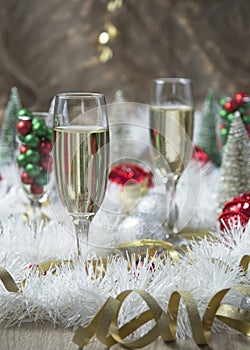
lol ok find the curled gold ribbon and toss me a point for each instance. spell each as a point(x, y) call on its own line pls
point(244, 263)
point(105, 324)
point(152, 246)
point(8, 281)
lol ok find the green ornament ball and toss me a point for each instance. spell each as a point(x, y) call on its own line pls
point(42, 179)
point(36, 120)
point(230, 116)
point(24, 112)
point(49, 134)
point(39, 128)
point(32, 141)
point(246, 119)
point(222, 101)
point(32, 170)
point(22, 160)
point(223, 113)
point(32, 156)
point(21, 137)
point(223, 131)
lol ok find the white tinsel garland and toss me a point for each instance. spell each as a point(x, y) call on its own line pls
point(73, 296)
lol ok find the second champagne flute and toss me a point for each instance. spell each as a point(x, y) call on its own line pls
point(171, 129)
point(81, 156)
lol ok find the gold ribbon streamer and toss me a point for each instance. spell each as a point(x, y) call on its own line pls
point(151, 245)
point(154, 313)
point(8, 281)
point(106, 328)
point(105, 324)
point(244, 263)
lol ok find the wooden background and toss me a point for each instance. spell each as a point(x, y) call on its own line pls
point(51, 45)
point(37, 336)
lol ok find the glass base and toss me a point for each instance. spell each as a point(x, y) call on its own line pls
point(186, 235)
point(176, 239)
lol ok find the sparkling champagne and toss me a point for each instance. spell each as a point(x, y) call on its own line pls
point(171, 130)
point(81, 160)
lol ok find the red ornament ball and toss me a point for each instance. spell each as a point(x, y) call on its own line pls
point(36, 189)
point(26, 179)
point(24, 127)
point(200, 156)
point(241, 98)
point(45, 147)
point(47, 163)
point(24, 149)
point(231, 106)
point(236, 210)
point(130, 174)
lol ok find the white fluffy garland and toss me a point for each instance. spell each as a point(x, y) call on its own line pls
point(73, 296)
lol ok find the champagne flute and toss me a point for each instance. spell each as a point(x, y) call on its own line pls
point(81, 156)
point(171, 131)
point(34, 163)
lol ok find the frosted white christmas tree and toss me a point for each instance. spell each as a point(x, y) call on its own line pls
point(7, 139)
point(235, 167)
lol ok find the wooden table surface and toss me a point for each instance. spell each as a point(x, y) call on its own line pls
point(45, 337)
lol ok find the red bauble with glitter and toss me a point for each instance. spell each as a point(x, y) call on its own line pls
point(130, 174)
point(24, 127)
point(200, 155)
point(231, 106)
point(236, 210)
point(241, 98)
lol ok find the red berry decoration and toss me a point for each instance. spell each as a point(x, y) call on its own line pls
point(47, 163)
point(231, 106)
point(24, 127)
point(24, 149)
point(26, 179)
point(46, 147)
point(36, 189)
point(238, 209)
point(239, 103)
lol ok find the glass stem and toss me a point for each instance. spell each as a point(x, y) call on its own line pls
point(36, 214)
point(172, 207)
point(82, 231)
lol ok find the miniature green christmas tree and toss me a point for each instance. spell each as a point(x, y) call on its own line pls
point(7, 138)
point(207, 137)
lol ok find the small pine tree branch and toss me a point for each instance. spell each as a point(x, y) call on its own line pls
point(207, 138)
